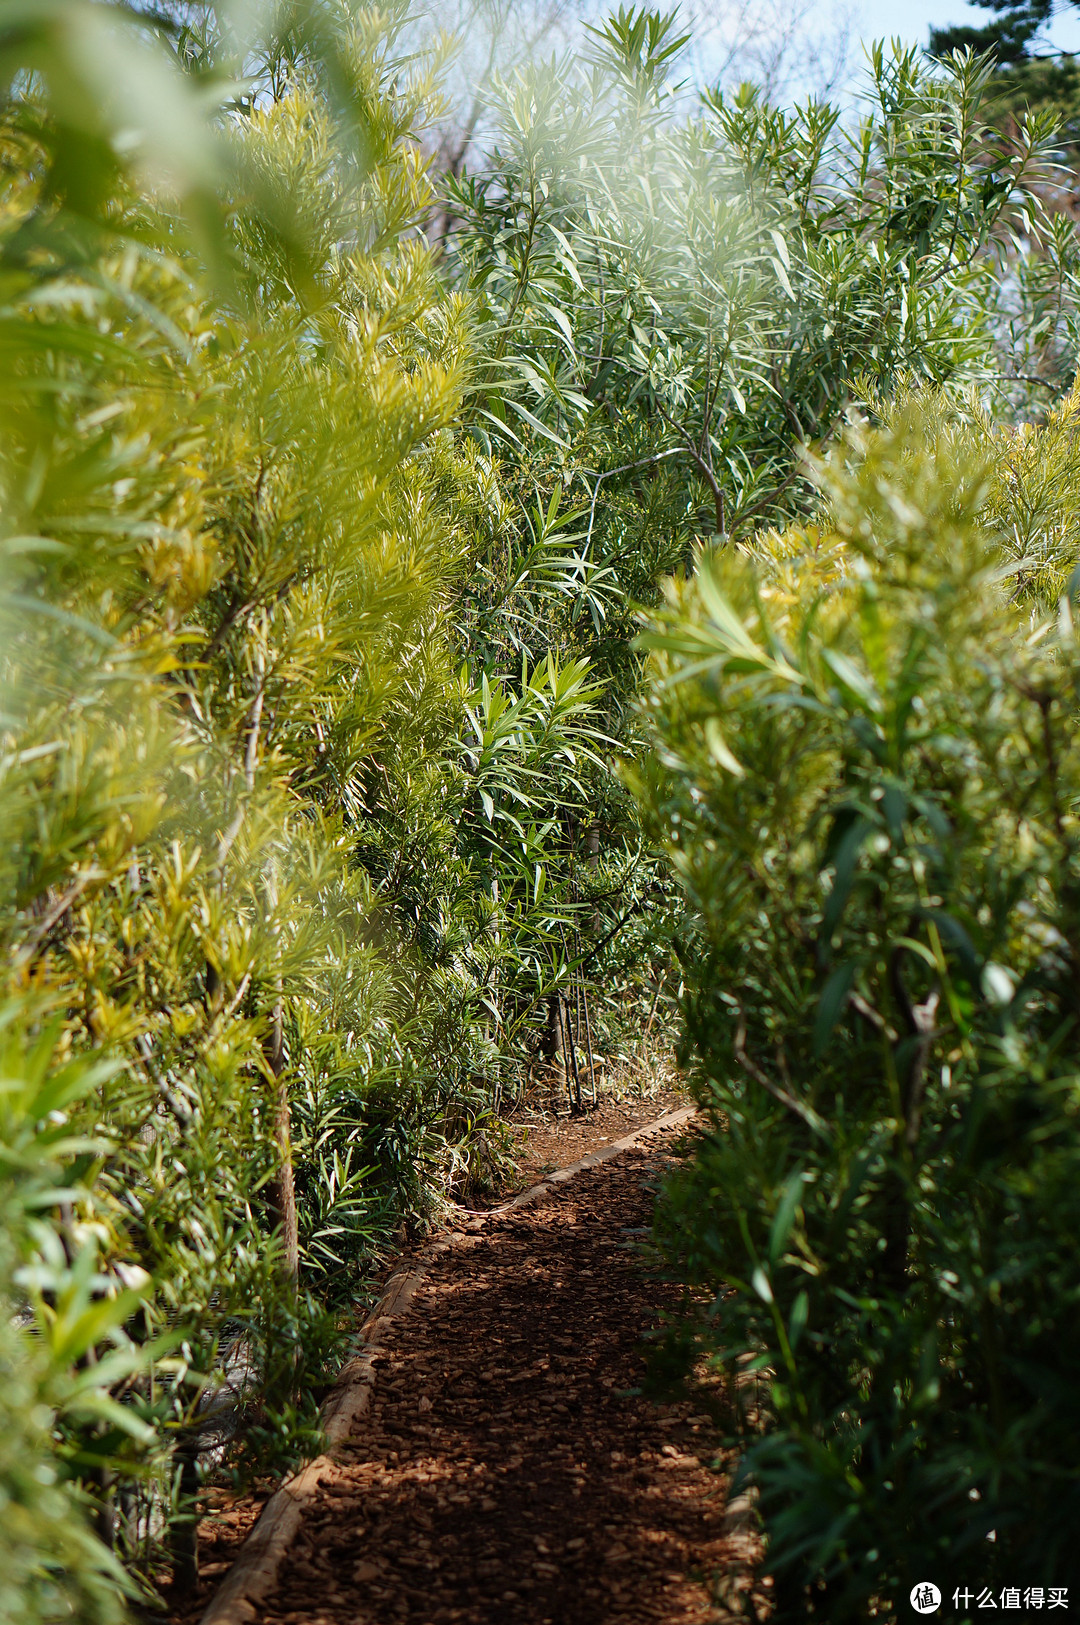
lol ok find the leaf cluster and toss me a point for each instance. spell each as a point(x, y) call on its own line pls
point(867, 785)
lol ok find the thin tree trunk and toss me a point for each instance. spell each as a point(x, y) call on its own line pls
point(185, 1532)
point(589, 1047)
point(572, 1066)
point(653, 1008)
point(551, 1044)
point(919, 1020)
point(593, 851)
point(283, 1189)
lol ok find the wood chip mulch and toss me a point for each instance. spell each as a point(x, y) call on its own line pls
point(552, 1139)
point(504, 1475)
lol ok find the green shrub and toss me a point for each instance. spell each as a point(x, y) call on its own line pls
point(59, 1419)
point(868, 782)
point(271, 863)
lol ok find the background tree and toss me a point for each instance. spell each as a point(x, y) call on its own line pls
point(1010, 35)
point(1030, 76)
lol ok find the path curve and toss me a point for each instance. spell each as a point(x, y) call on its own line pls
point(489, 1461)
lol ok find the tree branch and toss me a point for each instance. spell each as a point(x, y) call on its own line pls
point(805, 1114)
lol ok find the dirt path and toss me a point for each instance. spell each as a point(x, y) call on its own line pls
point(543, 1140)
point(503, 1472)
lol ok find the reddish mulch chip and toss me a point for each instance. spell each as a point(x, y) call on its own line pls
point(508, 1472)
point(505, 1474)
point(544, 1141)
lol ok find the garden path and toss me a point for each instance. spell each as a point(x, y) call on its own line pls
point(508, 1470)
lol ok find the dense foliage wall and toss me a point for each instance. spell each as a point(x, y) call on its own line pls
point(323, 550)
point(868, 731)
point(274, 898)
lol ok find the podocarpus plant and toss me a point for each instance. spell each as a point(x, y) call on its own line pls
point(867, 782)
point(54, 1565)
point(675, 290)
point(680, 296)
point(300, 767)
point(233, 767)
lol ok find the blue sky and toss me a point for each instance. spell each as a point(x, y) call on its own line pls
point(865, 20)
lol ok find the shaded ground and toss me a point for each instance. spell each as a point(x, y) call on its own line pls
point(507, 1473)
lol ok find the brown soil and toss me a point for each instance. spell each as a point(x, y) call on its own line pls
point(547, 1141)
point(509, 1472)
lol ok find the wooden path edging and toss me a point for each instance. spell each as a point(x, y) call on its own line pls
point(254, 1573)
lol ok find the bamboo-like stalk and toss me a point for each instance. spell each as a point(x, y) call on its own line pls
point(571, 1066)
point(589, 1045)
point(283, 1188)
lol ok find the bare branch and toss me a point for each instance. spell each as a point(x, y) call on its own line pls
point(806, 1114)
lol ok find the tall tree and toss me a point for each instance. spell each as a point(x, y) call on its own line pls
point(1031, 76)
point(1012, 33)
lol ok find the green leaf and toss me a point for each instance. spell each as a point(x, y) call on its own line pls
point(800, 1314)
point(762, 1285)
point(845, 861)
point(784, 1217)
point(855, 682)
point(833, 1000)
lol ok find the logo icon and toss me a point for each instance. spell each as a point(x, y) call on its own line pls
point(925, 1598)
